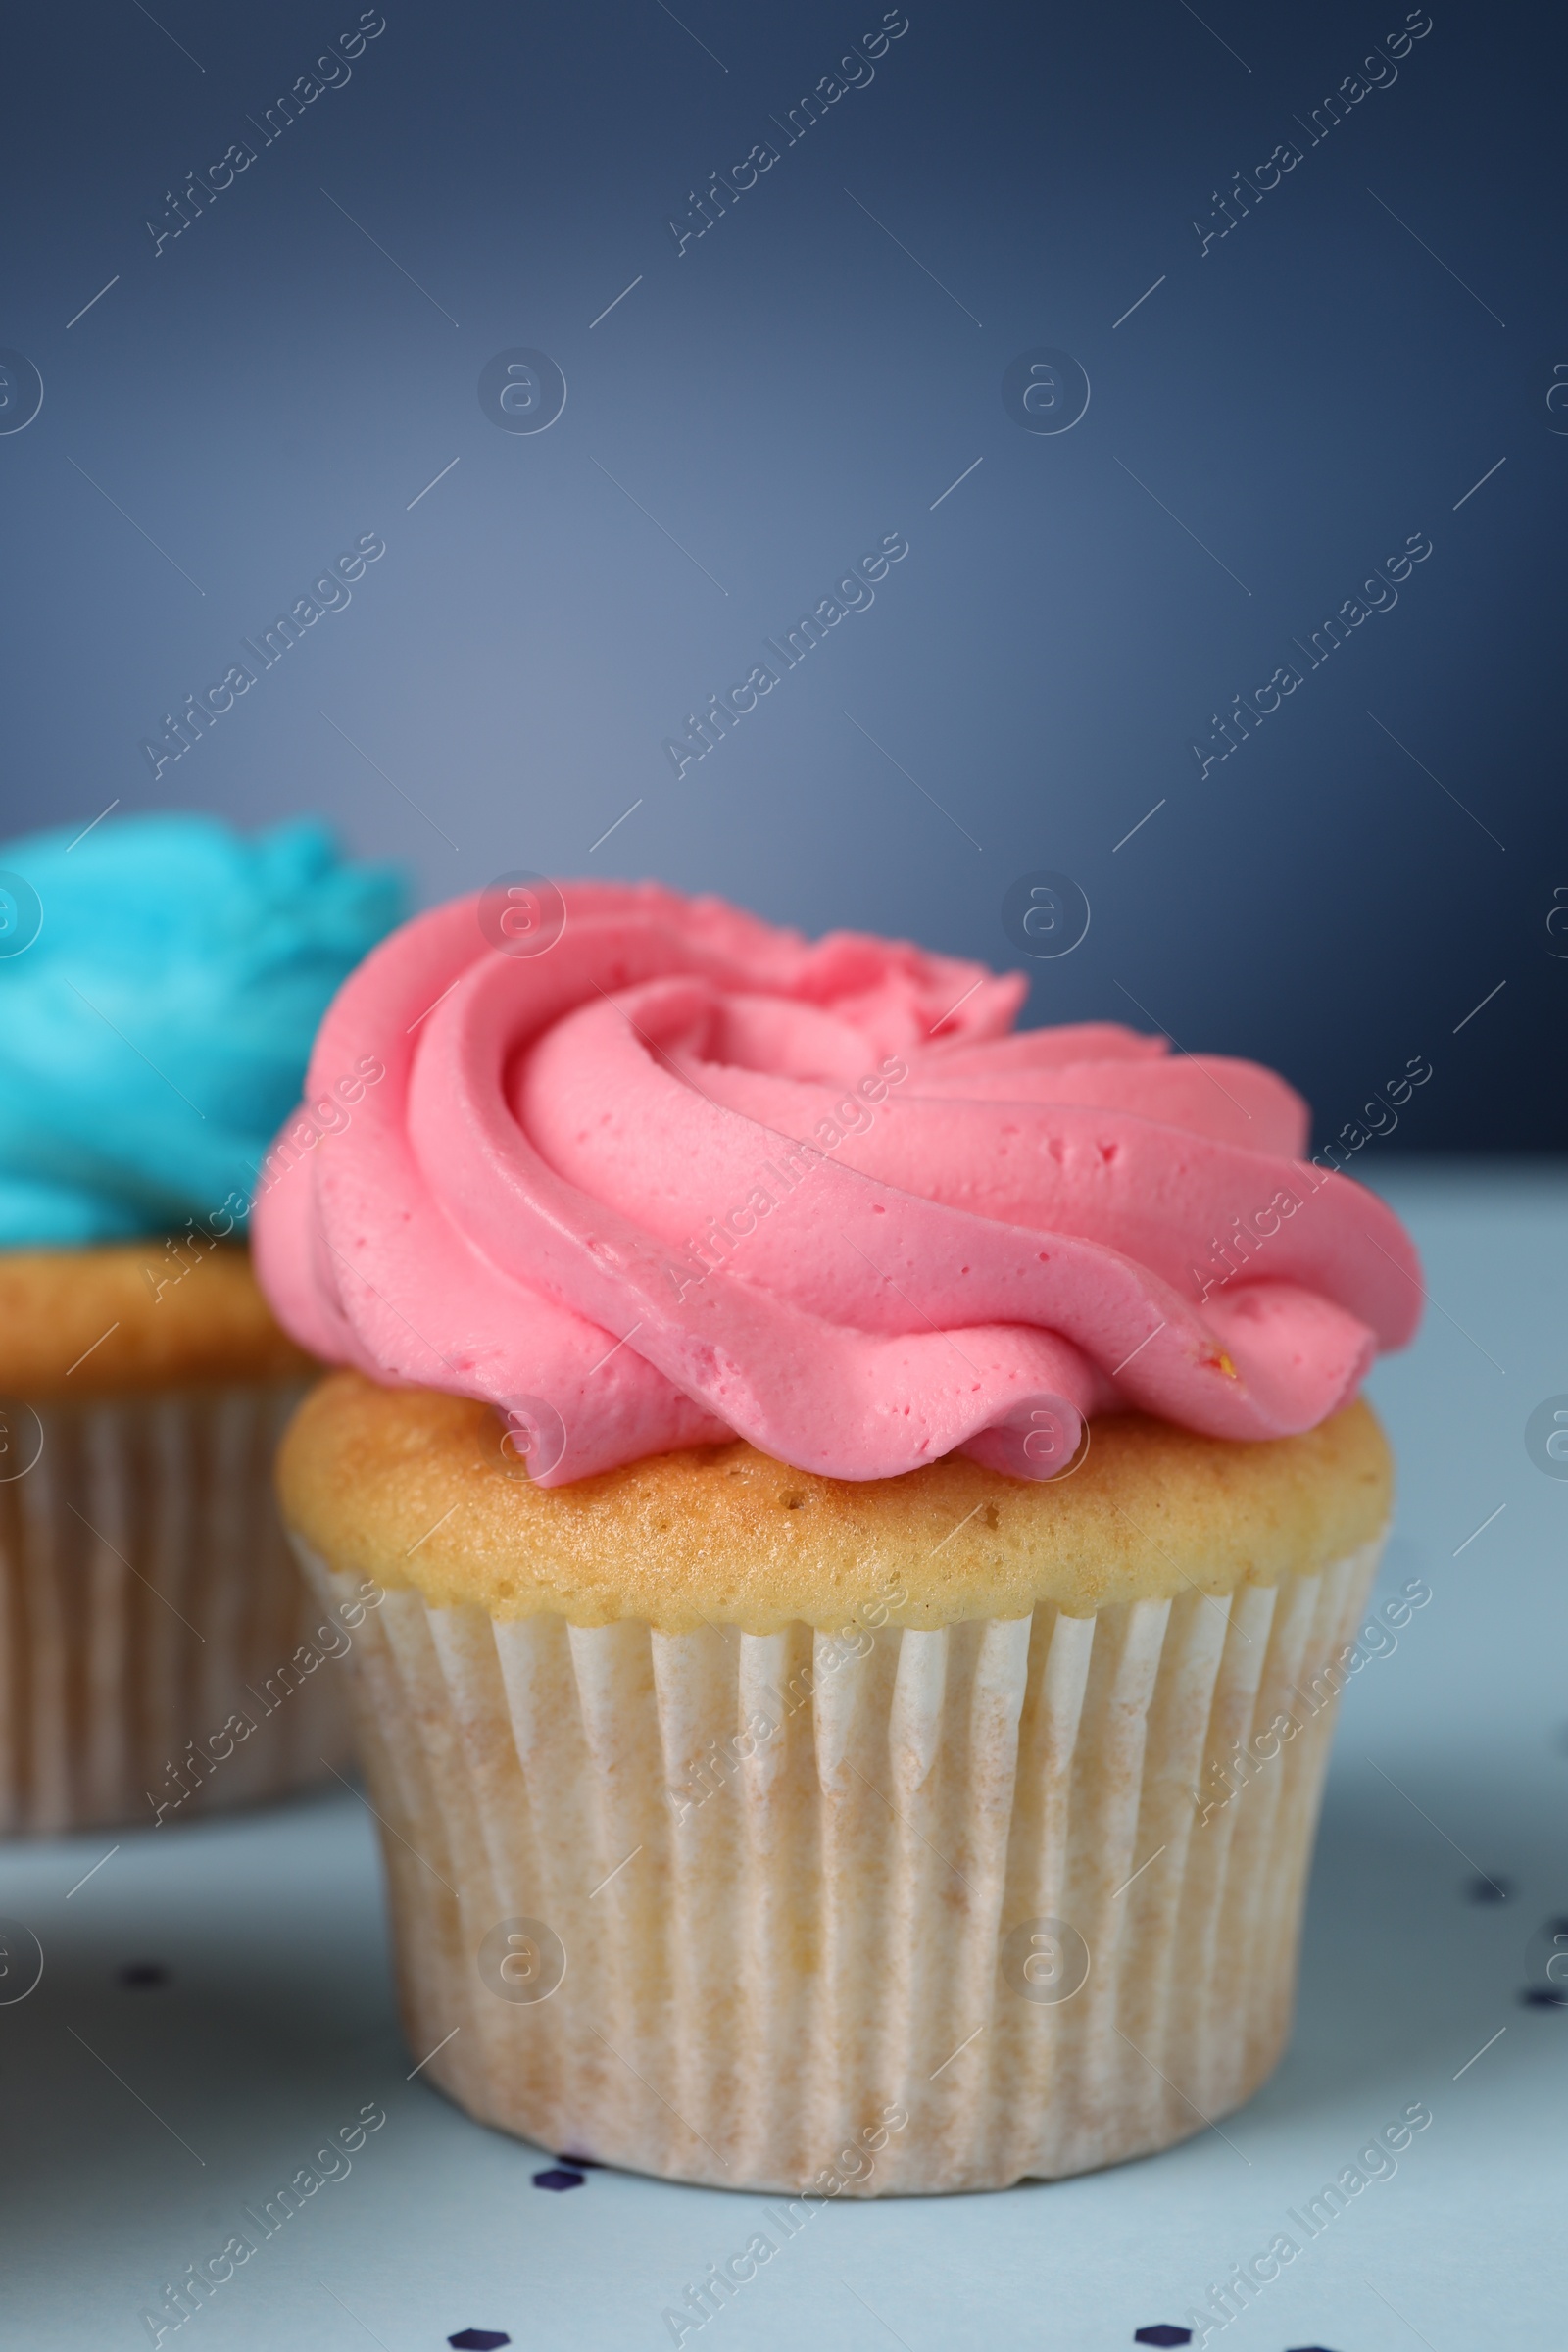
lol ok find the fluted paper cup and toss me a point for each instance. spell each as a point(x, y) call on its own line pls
point(160, 1656)
point(901, 1911)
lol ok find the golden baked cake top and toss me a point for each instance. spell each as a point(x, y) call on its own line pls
point(134, 1315)
point(415, 1487)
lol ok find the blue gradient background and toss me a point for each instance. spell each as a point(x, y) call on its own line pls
point(792, 387)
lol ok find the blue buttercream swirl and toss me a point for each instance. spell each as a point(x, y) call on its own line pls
point(161, 981)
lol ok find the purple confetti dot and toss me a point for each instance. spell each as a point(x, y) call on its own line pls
point(478, 2339)
point(558, 2179)
point(1163, 2334)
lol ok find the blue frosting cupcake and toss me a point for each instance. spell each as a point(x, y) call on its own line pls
point(161, 981)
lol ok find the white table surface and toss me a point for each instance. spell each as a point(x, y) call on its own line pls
point(276, 2025)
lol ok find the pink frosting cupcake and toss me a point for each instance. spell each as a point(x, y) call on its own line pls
point(872, 1509)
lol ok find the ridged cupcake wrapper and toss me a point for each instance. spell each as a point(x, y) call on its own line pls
point(147, 1597)
point(726, 1907)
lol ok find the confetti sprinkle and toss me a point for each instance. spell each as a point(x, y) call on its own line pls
point(478, 2339)
point(558, 2179)
point(1163, 2334)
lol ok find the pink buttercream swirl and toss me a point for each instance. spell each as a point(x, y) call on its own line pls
point(682, 1176)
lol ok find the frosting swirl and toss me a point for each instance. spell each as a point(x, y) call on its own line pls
point(161, 979)
point(675, 1175)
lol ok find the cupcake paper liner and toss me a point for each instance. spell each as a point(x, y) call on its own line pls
point(150, 1609)
point(860, 1913)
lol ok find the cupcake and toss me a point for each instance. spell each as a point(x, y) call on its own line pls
point(161, 979)
point(872, 1511)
